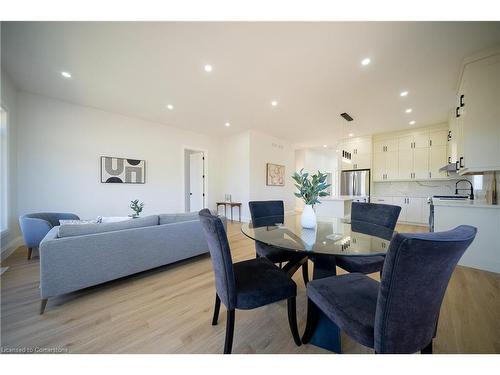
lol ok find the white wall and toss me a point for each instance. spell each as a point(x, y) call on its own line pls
point(266, 149)
point(247, 154)
point(59, 149)
point(10, 240)
point(237, 170)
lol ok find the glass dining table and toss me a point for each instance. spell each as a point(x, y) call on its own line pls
point(330, 238)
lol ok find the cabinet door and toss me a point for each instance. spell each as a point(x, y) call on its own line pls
point(391, 165)
point(481, 121)
point(362, 161)
point(378, 146)
point(437, 159)
point(405, 164)
point(378, 166)
point(424, 219)
point(414, 210)
point(438, 138)
point(401, 202)
point(421, 140)
point(391, 145)
point(421, 163)
point(405, 143)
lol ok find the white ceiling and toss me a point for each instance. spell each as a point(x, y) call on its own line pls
point(311, 68)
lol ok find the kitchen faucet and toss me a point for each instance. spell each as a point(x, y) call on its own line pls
point(471, 195)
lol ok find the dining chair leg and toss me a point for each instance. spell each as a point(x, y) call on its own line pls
point(305, 272)
point(216, 310)
point(312, 321)
point(30, 252)
point(228, 345)
point(292, 320)
point(427, 349)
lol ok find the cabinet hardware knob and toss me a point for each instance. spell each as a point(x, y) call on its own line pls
point(462, 103)
point(457, 112)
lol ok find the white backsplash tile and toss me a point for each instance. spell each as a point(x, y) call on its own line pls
point(422, 189)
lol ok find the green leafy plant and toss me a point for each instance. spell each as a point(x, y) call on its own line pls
point(310, 187)
point(136, 207)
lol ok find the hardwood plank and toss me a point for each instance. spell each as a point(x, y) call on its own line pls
point(169, 310)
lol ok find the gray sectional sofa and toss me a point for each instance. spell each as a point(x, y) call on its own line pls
point(74, 257)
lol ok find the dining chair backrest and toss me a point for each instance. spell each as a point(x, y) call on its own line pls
point(417, 269)
point(265, 213)
point(220, 254)
point(385, 215)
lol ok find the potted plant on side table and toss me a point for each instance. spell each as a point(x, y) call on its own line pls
point(310, 189)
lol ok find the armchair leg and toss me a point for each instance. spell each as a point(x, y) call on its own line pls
point(30, 252)
point(427, 349)
point(43, 303)
point(292, 320)
point(312, 321)
point(305, 272)
point(228, 345)
point(216, 310)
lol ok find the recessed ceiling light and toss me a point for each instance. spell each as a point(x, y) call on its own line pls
point(350, 134)
point(227, 124)
point(336, 150)
point(66, 74)
point(170, 106)
point(366, 61)
point(208, 68)
point(274, 103)
point(412, 122)
point(403, 93)
point(325, 146)
point(408, 110)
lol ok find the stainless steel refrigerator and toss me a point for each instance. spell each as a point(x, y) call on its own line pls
point(355, 182)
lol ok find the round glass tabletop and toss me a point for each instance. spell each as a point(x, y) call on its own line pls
point(331, 236)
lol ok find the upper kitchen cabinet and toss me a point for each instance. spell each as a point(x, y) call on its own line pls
point(357, 153)
point(477, 115)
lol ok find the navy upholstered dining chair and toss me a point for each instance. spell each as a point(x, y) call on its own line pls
point(265, 213)
point(35, 226)
point(399, 314)
point(245, 285)
point(384, 215)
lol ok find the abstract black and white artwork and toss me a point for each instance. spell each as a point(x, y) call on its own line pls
point(122, 171)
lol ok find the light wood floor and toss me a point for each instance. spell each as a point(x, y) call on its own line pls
point(169, 309)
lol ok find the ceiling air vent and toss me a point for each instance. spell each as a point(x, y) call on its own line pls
point(346, 116)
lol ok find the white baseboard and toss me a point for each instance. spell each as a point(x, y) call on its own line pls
point(9, 248)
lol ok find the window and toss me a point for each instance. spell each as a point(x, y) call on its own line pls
point(3, 170)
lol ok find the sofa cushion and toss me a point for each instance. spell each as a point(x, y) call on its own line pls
point(80, 230)
point(177, 218)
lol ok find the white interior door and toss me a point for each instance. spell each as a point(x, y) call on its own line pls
point(196, 185)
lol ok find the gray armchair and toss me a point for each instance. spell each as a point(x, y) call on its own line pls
point(35, 227)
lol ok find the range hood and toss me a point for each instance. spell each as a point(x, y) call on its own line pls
point(450, 168)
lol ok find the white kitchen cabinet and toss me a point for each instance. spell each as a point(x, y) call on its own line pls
point(412, 209)
point(401, 202)
point(437, 159)
point(479, 115)
point(381, 200)
point(385, 166)
point(438, 138)
point(421, 163)
point(357, 153)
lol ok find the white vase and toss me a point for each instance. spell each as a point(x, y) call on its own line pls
point(308, 218)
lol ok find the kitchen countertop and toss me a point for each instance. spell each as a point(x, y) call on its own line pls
point(465, 203)
point(342, 198)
